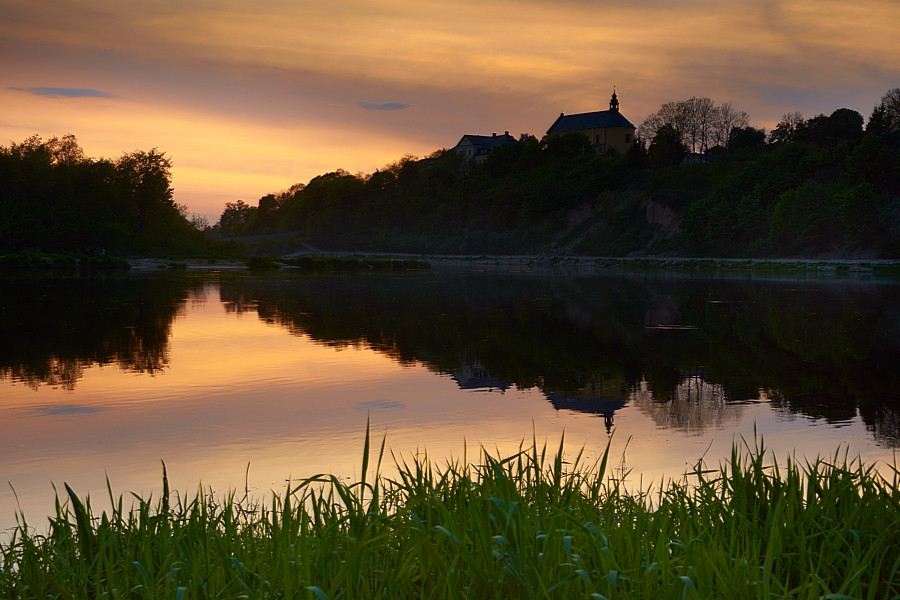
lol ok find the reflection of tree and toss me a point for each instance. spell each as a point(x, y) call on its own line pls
point(53, 329)
point(54, 372)
point(828, 350)
point(518, 329)
point(694, 405)
point(884, 423)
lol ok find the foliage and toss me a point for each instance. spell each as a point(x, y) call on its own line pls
point(54, 199)
point(885, 117)
point(815, 186)
point(701, 123)
point(530, 525)
point(820, 185)
point(843, 126)
point(514, 202)
point(667, 148)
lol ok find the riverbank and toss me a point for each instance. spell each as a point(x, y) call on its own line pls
point(531, 525)
point(700, 265)
point(312, 260)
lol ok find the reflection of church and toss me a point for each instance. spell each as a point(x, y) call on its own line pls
point(598, 395)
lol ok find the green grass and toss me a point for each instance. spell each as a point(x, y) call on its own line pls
point(529, 525)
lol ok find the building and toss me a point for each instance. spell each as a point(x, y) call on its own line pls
point(475, 148)
point(606, 129)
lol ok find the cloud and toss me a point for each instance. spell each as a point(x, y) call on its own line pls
point(64, 409)
point(61, 92)
point(385, 106)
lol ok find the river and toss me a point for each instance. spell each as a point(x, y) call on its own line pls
point(240, 382)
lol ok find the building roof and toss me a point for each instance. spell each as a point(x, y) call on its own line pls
point(487, 141)
point(593, 120)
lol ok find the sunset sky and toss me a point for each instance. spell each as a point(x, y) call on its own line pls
point(248, 98)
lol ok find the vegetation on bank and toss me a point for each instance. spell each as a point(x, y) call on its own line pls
point(56, 200)
point(529, 525)
point(813, 187)
point(823, 186)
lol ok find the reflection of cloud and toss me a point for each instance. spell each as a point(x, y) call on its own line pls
point(61, 92)
point(64, 409)
point(385, 404)
point(385, 106)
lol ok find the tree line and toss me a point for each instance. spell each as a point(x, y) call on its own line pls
point(817, 186)
point(515, 202)
point(55, 199)
point(809, 186)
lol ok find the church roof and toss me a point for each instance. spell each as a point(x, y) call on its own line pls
point(593, 120)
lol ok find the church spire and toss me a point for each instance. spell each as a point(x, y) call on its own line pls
point(614, 101)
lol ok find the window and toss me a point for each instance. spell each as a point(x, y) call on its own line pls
point(627, 138)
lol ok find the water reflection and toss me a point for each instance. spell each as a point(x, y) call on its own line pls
point(54, 328)
point(696, 404)
point(689, 353)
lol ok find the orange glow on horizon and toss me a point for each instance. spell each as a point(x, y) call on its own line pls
point(250, 101)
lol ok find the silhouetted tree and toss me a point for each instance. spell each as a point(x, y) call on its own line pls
point(886, 115)
point(700, 122)
point(746, 137)
point(667, 148)
point(842, 126)
point(236, 218)
point(54, 198)
point(145, 177)
point(786, 128)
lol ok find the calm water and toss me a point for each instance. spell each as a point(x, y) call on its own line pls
point(240, 381)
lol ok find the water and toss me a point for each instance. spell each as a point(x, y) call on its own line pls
point(242, 382)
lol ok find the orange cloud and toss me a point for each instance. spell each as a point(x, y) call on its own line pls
point(248, 99)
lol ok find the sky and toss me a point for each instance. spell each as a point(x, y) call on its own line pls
point(249, 98)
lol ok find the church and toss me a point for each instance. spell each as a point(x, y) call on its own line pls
point(606, 129)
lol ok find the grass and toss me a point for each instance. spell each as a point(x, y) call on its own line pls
point(529, 525)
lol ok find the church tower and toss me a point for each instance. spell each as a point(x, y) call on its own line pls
point(614, 102)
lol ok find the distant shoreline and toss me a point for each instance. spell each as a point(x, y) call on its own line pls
point(806, 265)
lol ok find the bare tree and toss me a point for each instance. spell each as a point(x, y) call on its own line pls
point(700, 122)
point(727, 119)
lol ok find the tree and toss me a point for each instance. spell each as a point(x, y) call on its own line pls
point(785, 130)
point(885, 117)
point(236, 217)
point(842, 126)
point(65, 151)
point(700, 122)
point(145, 177)
point(54, 198)
point(746, 137)
point(667, 148)
point(572, 143)
point(266, 213)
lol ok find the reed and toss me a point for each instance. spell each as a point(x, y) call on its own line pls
point(530, 525)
